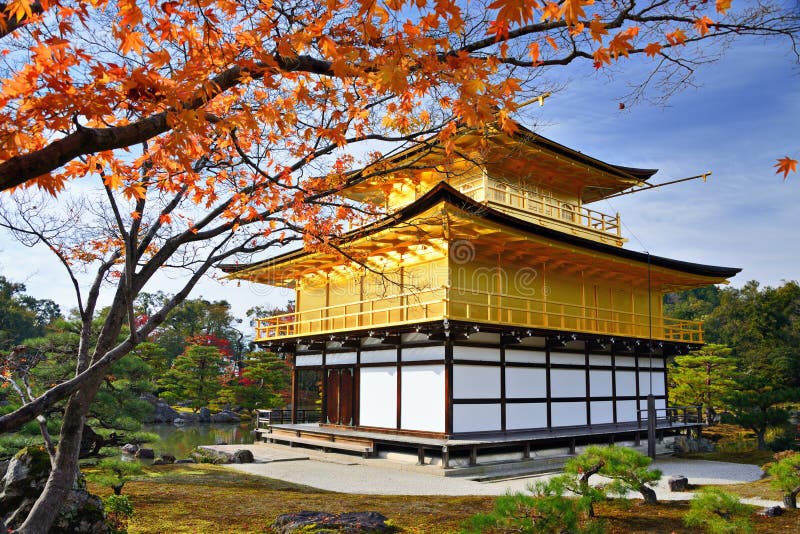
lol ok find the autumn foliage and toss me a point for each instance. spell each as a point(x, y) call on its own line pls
point(225, 79)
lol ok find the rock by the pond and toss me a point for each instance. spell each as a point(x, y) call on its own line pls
point(204, 416)
point(162, 411)
point(145, 454)
point(186, 461)
point(225, 416)
point(129, 448)
point(242, 456)
point(24, 480)
point(772, 511)
point(168, 458)
point(678, 483)
point(348, 523)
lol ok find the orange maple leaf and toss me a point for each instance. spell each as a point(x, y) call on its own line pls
point(533, 50)
point(551, 11)
point(572, 10)
point(702, 25)
point(723, 5)
point(597, 29)
point(785, 166)
point(677, 37)
point(518, 11)
point(601, 56)
point(652, 49)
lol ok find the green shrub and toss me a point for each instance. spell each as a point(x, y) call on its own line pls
point(546, 511)
point(785, 473)
point(119, 510)
point(114, 473)
point(718, 512)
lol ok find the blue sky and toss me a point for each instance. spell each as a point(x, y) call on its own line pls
point(744, 115)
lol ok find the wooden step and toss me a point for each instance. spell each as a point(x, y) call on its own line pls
point(363, 447)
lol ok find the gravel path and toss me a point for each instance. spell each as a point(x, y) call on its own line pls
point(380, 477)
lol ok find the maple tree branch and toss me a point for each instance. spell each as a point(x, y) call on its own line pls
point(9, 24)
point(19, 169)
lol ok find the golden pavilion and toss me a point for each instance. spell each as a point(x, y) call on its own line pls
point(493, 304)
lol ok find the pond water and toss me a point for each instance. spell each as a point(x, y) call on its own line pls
point(180, 440)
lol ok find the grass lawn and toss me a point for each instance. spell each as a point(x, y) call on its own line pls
point(203, 498)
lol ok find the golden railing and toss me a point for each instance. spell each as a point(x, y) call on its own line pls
point(532, 203)
point(478, 307)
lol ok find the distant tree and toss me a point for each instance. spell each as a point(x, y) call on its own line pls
point(192, 318)
point(195, 376)
point(785, 473)
point(692, 304)
point(703, 377)
point(22, 316)
point(758, 404)
point(264, 382)
point(762, 326)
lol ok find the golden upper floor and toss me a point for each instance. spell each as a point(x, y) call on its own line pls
point(447, 256)
point(525, 176)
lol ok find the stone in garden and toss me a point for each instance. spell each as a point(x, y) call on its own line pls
point(225, 416)
point(242, 456)
point(186, 461)
point(678, 483)
point(204, 416)
point(129, 448)
point(162, 411)
point(145, 454)
point(772, 511)
point(168, 458)
point(350, 523)
point(24, 480)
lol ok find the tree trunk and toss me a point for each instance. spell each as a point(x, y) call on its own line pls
point(790, 498)
point(649, 494)
point(65, 468)
point(762, 440)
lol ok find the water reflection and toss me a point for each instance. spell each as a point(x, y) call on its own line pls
point(180, 440)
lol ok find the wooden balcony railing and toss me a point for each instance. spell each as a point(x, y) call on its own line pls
point(478, 307)
point(530, 203)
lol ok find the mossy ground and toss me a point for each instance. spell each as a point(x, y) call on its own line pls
point(203, 498)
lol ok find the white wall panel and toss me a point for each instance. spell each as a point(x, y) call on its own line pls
point(567, 383)
point(526, 356)
point(476, 354)
point(529, 415)
point(476, 417)
point(476, 382)
point(304, 360)
point(422, 353)
point(600, 359)
point(626, 411)
point(600, 383)
point(340, 358)
point(626, 383)
point(522, 382)
point(602, 412)
point(422, 401)
point(379, 356)
point(378, 397)
point(568, 413)
point(658, 382)
point(567, 358)
point(627, 361)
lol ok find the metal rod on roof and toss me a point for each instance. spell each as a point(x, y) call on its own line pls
point(539, 99)
point(646, 187)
